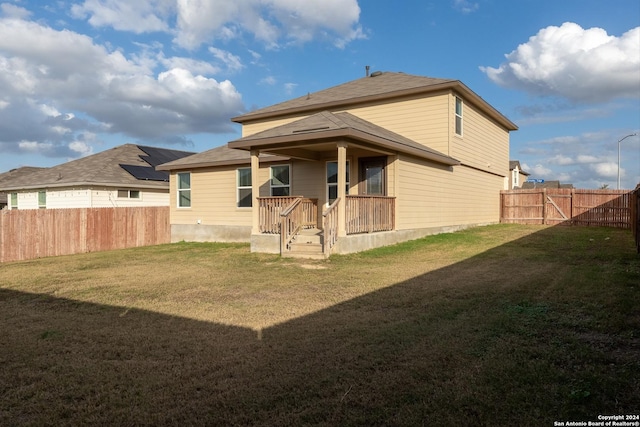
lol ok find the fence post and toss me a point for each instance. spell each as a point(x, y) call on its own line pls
point(571, 203)
point(544, 206)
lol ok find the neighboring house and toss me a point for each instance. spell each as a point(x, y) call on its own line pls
point(121, 176)
point(517, 175)
point(7, 176)
point(546, 184)
point(379, 160)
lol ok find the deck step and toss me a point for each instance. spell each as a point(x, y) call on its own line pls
point(307, 244)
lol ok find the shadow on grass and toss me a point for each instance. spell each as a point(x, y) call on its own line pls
point(466, 344)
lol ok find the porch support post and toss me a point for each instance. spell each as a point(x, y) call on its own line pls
point(255, 192)
point(342, 183)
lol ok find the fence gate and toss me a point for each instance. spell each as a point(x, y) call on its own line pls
point(557, 208)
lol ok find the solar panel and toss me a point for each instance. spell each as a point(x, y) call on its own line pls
point(157, 156)
point(146, 173)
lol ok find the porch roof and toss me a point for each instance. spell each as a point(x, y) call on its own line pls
point(219, 156)
point(305, 138)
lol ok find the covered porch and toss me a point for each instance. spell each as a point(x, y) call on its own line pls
point(341, 182)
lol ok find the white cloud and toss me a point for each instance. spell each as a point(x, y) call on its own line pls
point(231, 61)
point(124, 15)
point(465, 6)
point(560, 159)
point(537, 170)
point(269, 80)
point(270, 21)
point(605, 169)
point(57, 85)
point(12, 11)
point(581, 65)
point(290, 87)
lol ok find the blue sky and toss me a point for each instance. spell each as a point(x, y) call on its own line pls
point(79, 77)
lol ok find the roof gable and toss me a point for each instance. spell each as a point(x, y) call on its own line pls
point(376, 87)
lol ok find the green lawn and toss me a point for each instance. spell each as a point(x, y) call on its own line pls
point(498, 325)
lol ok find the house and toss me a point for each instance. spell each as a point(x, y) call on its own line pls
point(379, 160)
point(517, 175)
point(13, 173)
point(545, 184)
point(121, 176)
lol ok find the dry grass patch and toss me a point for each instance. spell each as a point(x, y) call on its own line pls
point(503, 325)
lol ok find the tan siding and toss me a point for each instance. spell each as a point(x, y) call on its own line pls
point(424, 120)
point(250, 129)
point(484, 144)
point(433, 196)
point(214, 197)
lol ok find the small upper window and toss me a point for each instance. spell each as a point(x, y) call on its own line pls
point(184, 189)
point(280, 180)
point(14, 200)
point(458, 116)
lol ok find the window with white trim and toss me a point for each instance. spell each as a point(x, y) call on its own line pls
point(14, 200)
point(245, 196)
point(332, 181)
point(183, 185)
point(280, 182)
point(458, 116)
point(42, 199)
point(128, 194)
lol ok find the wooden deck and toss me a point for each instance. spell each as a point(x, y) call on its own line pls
point(288, 216)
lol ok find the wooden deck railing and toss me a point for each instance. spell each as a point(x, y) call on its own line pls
point(269, 212)
point(330, 226)
point(370, 214)
point(302, 213)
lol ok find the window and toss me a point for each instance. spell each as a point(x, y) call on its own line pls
point(128, 194)
point(332, 181)
point(14, 200)
point(280, 180)
point(372, 176)
point(42, 199)
point(184, 189)
point(244, 188)
point(516, 174)
point(458, 116)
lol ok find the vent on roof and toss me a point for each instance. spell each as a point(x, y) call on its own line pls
point(310, 130)
point(376, 74)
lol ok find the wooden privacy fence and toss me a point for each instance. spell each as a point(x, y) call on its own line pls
point(635, 216)
point(605, 208)
point(28, 234)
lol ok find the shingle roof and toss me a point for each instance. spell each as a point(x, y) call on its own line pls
point(325, 126)
point(514, 163)
point(546, 184)
point(218, 156)
point(14, 173)
point(104, 168)
point(375, 87)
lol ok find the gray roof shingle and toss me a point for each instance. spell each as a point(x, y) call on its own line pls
point(103, 168)
point(378, 86)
